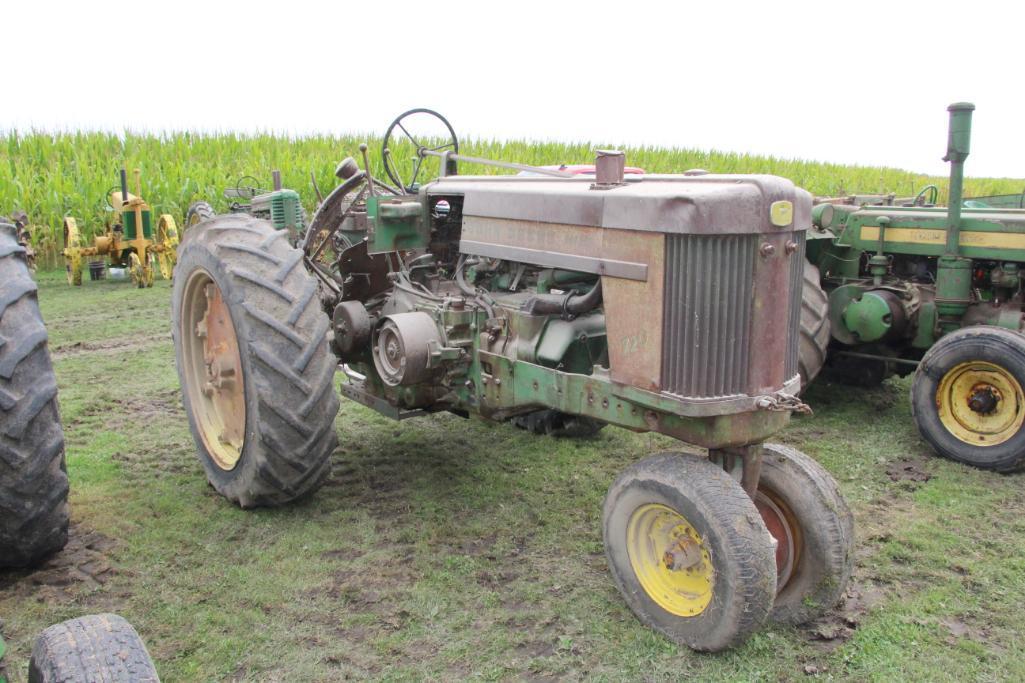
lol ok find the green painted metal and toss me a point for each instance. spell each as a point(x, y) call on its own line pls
point(512, 384)
point(3, 651)
point(286, 210)
point(868, 317)
point(988, 234)
point(128, 217)
point(958, 146)
point(953, 286)
point(926, 331)
point(395, 224)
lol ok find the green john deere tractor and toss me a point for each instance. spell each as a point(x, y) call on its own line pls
point(936, 291)
point(281, 206)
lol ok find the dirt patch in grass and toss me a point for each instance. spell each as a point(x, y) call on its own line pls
point(82, 564)
point(108, 347)
point(908, 469)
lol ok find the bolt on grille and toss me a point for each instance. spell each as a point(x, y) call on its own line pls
point(706, 346)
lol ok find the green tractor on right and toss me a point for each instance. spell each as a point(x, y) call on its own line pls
point(936, 291)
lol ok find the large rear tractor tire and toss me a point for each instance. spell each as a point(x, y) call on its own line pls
point(968, 397)
point(805, 513)
point(689, 551)
point(98, 647)
point(257, 375)
point(814, 327)
point(33, 479)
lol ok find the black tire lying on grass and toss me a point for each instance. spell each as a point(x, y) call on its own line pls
point(98, 647)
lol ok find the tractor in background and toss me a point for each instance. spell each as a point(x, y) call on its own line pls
point(281, 206)
point(131, 243)
point(938, 292)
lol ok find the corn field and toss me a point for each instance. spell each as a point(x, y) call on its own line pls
point(51, 176)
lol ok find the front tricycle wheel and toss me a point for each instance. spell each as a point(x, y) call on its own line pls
point(254, 363)
point(688, 551)
point(802, 507)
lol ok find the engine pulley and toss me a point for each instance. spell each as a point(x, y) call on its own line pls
point(352, 328)
point(403, 347)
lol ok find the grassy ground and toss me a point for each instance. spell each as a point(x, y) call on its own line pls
point(449, 549)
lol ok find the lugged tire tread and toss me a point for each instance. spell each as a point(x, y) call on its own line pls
point(291, 365)
point(815, 330)
point(33, 477)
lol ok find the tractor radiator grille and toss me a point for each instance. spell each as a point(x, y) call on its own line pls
point(706, 345)
point(796, 300)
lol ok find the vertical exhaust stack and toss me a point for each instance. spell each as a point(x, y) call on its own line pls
point(953, 272)
point(958, 143)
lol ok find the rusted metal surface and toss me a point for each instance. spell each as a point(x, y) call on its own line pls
point(634, 310)
point(774, 299)
point(609, 169)
point(710, 204)
point(572, 247)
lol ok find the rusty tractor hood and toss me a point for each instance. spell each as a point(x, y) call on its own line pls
point(675, 204)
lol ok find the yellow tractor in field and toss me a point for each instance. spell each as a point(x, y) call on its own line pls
point(129, 243)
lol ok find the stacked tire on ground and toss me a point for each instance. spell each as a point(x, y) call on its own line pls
point(33, 478)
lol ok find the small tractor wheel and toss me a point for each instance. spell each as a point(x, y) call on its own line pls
point(167, 243)
point(137, 271)
point(198, 212)
point(97, 647)
point(967, 397)
point(257, 374)
point(33, 479)
point(558, 424)
point(688, 551)
point(73, 251)
point(814, 326)
point(805, 513)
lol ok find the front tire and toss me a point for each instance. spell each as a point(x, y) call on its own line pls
point(967, 397)
point(805, 513)
point(33, 478)
point(256, 371)
point(688, 551)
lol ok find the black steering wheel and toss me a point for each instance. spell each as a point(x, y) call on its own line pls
point(420, 144)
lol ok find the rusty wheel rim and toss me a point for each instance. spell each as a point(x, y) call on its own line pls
point(213, 370)
point(783, 527)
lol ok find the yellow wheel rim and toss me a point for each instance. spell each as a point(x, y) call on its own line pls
point(166, 248)
point(213, 370)
point(670, 560)
point(980, 403)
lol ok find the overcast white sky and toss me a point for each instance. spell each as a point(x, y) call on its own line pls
point(851, 82)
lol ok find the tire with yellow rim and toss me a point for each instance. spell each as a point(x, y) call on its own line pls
point(256, 371)
point(968, 397)
point(689, 551)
